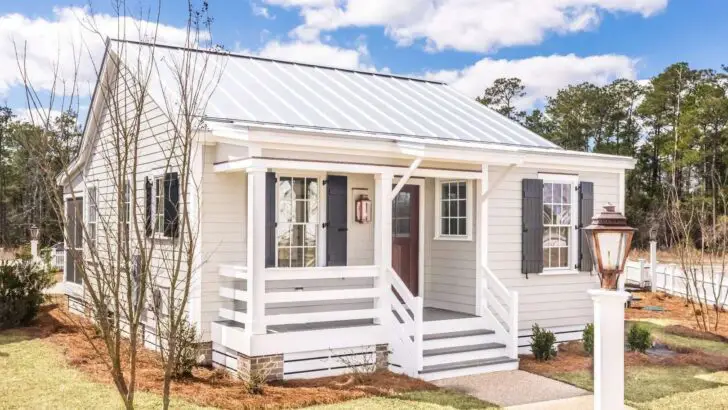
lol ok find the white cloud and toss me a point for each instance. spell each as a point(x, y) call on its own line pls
point(317, 53)
point(261, 11)
point(35, 116)
point(467, 25)
point(542, 76)
point(65, 41)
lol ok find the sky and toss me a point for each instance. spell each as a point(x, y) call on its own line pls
point(549, 44)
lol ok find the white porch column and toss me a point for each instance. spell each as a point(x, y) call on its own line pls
point(608, 348)
point(481, 236)
point(653, 266)
point(383, 240)
point(256, 251)
point(34, 250)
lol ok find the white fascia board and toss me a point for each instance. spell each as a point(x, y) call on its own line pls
point(293, 138)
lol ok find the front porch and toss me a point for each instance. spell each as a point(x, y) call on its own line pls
point(317, 284)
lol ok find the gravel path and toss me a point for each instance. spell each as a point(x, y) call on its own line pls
point(512, 387)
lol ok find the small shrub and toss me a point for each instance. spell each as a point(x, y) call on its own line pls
point(542, 343)
point(255, 381)
point(588, 339)
point(21, 291)
point(186, 350)
point(639, 338)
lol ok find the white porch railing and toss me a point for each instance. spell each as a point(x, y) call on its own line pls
point(500, 307)
point(328, 300)
point(407, 311)
point(234, 292)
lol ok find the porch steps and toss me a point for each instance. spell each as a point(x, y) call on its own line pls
point(460, 347)
point(468, 367)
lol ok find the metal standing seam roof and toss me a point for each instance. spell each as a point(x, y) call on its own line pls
point(286, 93)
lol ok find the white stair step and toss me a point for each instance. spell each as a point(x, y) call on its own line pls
point(448, 355)
point(452, 325)
point(459, 338)
point(467, 368)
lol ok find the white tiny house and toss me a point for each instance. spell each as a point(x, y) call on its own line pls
point(345, 215)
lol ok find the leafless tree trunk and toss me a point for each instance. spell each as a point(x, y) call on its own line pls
point(125, 260)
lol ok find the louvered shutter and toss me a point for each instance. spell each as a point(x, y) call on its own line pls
point(586, 212)
point(532, 219)
point(148, 206)
point(270, 219)
point(336, 221)
point(171, 205)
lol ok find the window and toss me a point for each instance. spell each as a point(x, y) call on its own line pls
point(298, 221)
point(559, 220)
point(159, 204)
point(453, 210)
point(126, 215)
point(92, 211)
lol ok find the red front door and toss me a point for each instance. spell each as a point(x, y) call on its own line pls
point(406, 236)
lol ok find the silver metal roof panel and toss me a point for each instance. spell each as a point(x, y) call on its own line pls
point(293, 94)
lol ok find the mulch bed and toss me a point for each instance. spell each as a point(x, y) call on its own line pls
point(209, 387)
point(677, 310)
point(571, 357)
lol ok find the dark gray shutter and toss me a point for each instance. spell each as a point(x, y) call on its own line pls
point(148, 206)
point(532, 218)
point(586, 211)
point(171, 205)
point(270, 219)
point(336, 223)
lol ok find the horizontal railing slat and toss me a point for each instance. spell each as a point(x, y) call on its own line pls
point(328, 272)
point(330, 316)
point(316, 295)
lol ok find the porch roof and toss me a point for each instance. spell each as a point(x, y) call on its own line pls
point(276, 92)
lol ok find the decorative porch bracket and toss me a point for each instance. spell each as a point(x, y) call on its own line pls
point(490, 188)
point(412, 168)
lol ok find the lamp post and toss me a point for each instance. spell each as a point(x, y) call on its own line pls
point(610, 239)
point(34, 235)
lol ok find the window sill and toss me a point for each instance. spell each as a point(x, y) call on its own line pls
point(453, 238)
point(558, 272)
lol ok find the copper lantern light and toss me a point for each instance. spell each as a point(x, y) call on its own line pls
point(610, 239)
point(363, 211)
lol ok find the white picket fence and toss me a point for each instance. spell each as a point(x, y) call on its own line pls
point(711, 283)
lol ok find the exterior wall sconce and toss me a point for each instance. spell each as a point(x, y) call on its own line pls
point(363, 209)
point(610, 240)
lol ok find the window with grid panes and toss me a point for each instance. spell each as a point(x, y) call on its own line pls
point(298, 220)
point(159, 204)
point(558, 224)
point(453, 209)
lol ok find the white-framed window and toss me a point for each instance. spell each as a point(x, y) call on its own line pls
point(126, 214)
point(453, 209)
point(158, 217)
point(560, 216)
point(297, 230)
point(92, 215)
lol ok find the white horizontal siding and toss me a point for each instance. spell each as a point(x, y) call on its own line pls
point(549, 300)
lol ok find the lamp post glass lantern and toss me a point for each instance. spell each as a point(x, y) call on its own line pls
point(34, 232)
point(610, 240)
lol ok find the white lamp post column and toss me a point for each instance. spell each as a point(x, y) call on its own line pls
point(610, 239)
point(34, 235)
point(608, 348)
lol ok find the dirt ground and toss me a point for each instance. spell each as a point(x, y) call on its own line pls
point(209, 387)
point(677, 311)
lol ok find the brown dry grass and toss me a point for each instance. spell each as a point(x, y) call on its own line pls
point(208, 387)
point(678, 311)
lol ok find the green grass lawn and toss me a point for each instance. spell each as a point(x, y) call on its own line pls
point(647, 383)
point(663, 387)
point(36, 375)
point(420, 400)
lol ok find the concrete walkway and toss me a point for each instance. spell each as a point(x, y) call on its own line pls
point(513, 388)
